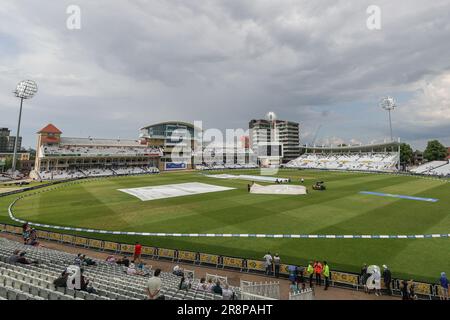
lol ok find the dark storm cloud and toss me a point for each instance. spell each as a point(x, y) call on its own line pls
point(225, 62)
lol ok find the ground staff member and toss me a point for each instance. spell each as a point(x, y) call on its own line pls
point(310, 272)
point(326, 274)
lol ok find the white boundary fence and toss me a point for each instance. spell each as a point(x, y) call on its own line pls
point(261, 289)
point(307, 294)
point(250, 296)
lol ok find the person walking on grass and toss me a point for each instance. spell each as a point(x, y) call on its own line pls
point(326, 274)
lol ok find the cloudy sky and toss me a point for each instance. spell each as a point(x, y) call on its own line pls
point(224, 62)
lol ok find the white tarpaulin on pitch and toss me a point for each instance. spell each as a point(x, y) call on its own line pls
point(248, 177)
point(278, 189)
point(173, 190)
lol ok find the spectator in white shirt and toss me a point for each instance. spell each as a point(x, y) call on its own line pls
point(268, 263)
point(227, 293)
point(154, 287)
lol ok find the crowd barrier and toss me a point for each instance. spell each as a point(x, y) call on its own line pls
point(337, 278)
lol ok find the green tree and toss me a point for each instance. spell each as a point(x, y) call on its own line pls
point(8, 163)
point(406, 153)
point(435, 151)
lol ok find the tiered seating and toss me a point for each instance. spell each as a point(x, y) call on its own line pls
point(61, 174)
point(35, 282)
point(95, 151)
point(360, 161)
point(95, 172)
point(430, 167)
point(129, 170)
point(442, 171)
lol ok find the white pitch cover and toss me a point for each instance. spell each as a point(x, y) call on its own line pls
point(173, 190)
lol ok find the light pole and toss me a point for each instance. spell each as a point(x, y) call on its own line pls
point(388, 104)
point(25, 89)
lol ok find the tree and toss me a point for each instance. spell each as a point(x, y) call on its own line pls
point(435, 151)
point(8, 162)
point(406, 153)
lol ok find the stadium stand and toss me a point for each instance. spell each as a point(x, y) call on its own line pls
point(433, 168)
point(357, 161)
point(111, 282)
point(60, 157)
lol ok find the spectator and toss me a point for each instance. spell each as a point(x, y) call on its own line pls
point(318, 272)
point(15, 256)
point(310, 272)
point(111, 259)
point(404, 290)
point(412, 290)
point(203, 286)
point(387, 278)
point(84, 283)
point(124, 261)
point(276, 264)
point(32, 241)
point(303, 286)
point(377, 283)
point(363, 277)
point(78, 260)
point(444, 286)
point(24, 260)
point(137, 252)
point(154, 286)
point(25, 232)
point(184, 284)
point(88, 261)
point(300, 272)
point(217, 289)
point(178, 271)
point(292, 273)
point(227, 293)
point(326, 274)
point(268, 263)
point(293, 288)
point(61, 281)
point(210, 285)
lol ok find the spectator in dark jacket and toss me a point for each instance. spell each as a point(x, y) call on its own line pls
point(217, 289)
point(387, 277)
point(15, 256)
point(24, 260)
point(61, 281)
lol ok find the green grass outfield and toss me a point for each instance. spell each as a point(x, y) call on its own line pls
point(338, 210)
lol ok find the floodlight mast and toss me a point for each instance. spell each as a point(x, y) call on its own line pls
point(26, 89)
point(388, 104)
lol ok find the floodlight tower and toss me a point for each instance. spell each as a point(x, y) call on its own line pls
point(388, 104)
point(272, 118)
point(25, 89)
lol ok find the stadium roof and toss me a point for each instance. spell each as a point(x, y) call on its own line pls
point(366, 147)
point(101, 142)
point(183, 123)
point(50, 128)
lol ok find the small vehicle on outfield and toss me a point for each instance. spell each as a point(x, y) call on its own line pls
point(319, 185)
